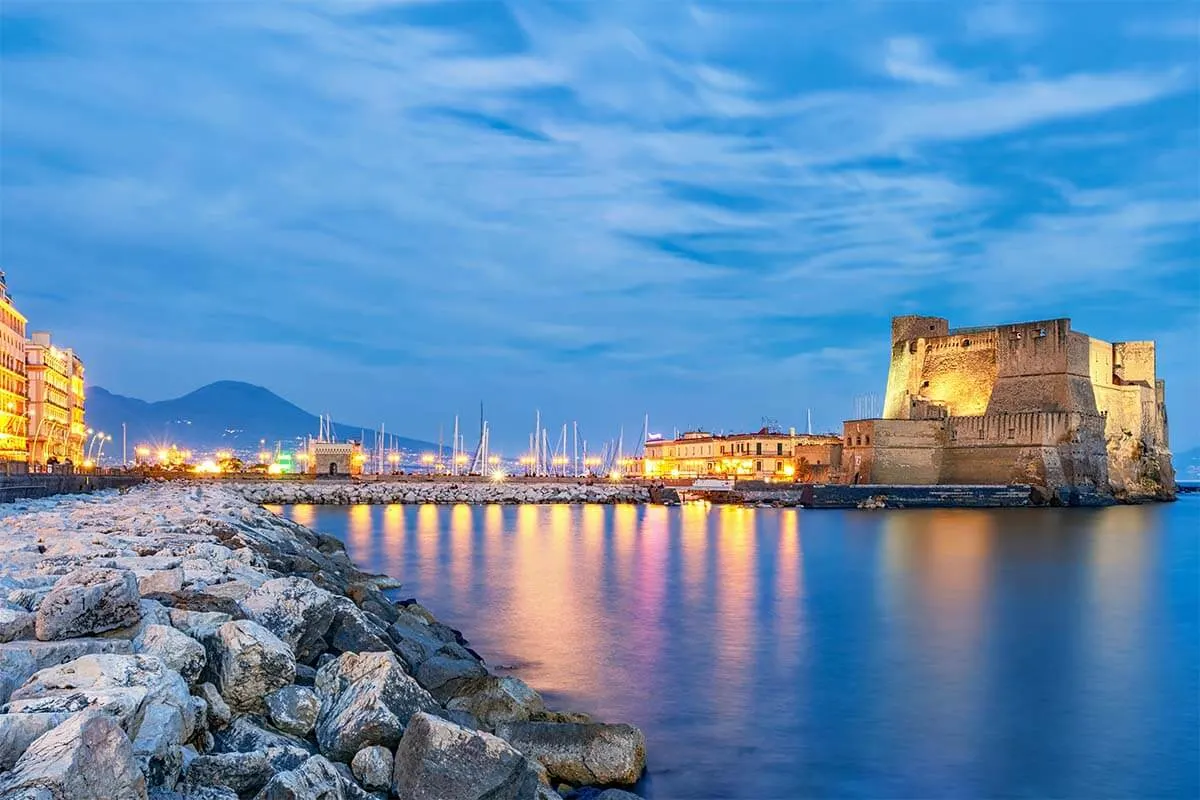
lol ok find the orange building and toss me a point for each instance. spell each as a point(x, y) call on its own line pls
point(765, 455)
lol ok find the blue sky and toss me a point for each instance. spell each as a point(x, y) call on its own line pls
point(705, 212)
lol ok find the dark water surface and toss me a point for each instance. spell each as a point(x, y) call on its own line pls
point(879, 654)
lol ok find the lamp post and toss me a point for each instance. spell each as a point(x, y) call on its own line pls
point(99, 436)
point(100, 449)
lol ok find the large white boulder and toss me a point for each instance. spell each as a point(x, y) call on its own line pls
point(581, 753)
point(296, 610)
point(178, 651)
point(248, 662)
point(88, 757)
point(87, 601)
point(366, 699)
point(437, 759)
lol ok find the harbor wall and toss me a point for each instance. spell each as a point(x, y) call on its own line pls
point(19, 487)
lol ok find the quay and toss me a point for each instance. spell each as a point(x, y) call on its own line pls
point(34, 485)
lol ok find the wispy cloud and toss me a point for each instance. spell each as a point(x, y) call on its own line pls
point(910, 59)
point(617, 208)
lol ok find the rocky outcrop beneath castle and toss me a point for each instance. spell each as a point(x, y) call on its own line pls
point(440, 492)
point(1137, 473)
point(179, 641)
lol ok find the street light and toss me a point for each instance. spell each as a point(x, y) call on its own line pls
point(92, 443)
point(100, 449)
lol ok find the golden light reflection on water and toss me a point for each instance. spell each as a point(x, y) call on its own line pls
point(693, 546)
point(458, 559)
point(731, 577)
point(360, 529)
point(305, 515)
point(914, 639)
point(789, 578)
point(392, 537)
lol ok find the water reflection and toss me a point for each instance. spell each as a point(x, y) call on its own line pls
point(783, 653)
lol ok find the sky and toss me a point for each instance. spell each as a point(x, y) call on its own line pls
point(703, 212)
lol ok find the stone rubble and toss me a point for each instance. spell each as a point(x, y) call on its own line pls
point(445, 491)
point(179, 642)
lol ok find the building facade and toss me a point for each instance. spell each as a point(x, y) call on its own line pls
point(334, 458)
point(1030, 402)
point(765, 456)
point(56, 402)
point(14, 422)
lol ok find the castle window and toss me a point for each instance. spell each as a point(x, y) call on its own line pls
point(966, 342)
point(758, 466)
point(1041, 333)
point(1012, 432)
point(779, 448)
point(859, 440)
point(925, 385)
point(868, 438)
point(848, 442)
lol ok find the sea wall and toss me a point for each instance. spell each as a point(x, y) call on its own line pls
point(892, 496)
point(178, 641)
point(442, 492)
point(19, 486)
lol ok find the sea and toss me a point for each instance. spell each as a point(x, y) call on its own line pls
point(786, 653)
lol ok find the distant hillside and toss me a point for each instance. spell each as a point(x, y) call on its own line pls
point(1187, 465)
point(225, 414)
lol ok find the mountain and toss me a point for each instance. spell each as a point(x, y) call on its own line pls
point(225, 414)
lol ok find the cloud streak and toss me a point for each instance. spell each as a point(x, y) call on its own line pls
point(601, 209)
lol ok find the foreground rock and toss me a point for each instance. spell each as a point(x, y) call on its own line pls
point(178, 643)
point(581, 753)
point(438, 759)
point(177, 650)
point(293, 709)
point(18, 731)
point(366, 699)
point(88, 601)
point(247, 662)
point(372, 766)
point(88, 757)
point(294, 609)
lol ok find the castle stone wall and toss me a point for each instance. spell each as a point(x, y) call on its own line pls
point(1031, 402)
point(907, 451)
point(1134, 362)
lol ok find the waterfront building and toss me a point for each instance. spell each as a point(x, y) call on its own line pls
point(1026, 403)
point(13, 382)
point(764, 455)
point(334, 458)
point(55, 402)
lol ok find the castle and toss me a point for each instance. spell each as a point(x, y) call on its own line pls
point(1029, 403)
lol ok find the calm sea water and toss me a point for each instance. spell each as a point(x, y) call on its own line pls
point(787, 654)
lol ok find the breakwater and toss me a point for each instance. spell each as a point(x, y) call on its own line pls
point(526, 492)
point(440, 492)
point(178, 641)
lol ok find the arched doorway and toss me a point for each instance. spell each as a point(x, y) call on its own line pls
point(333, 468)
